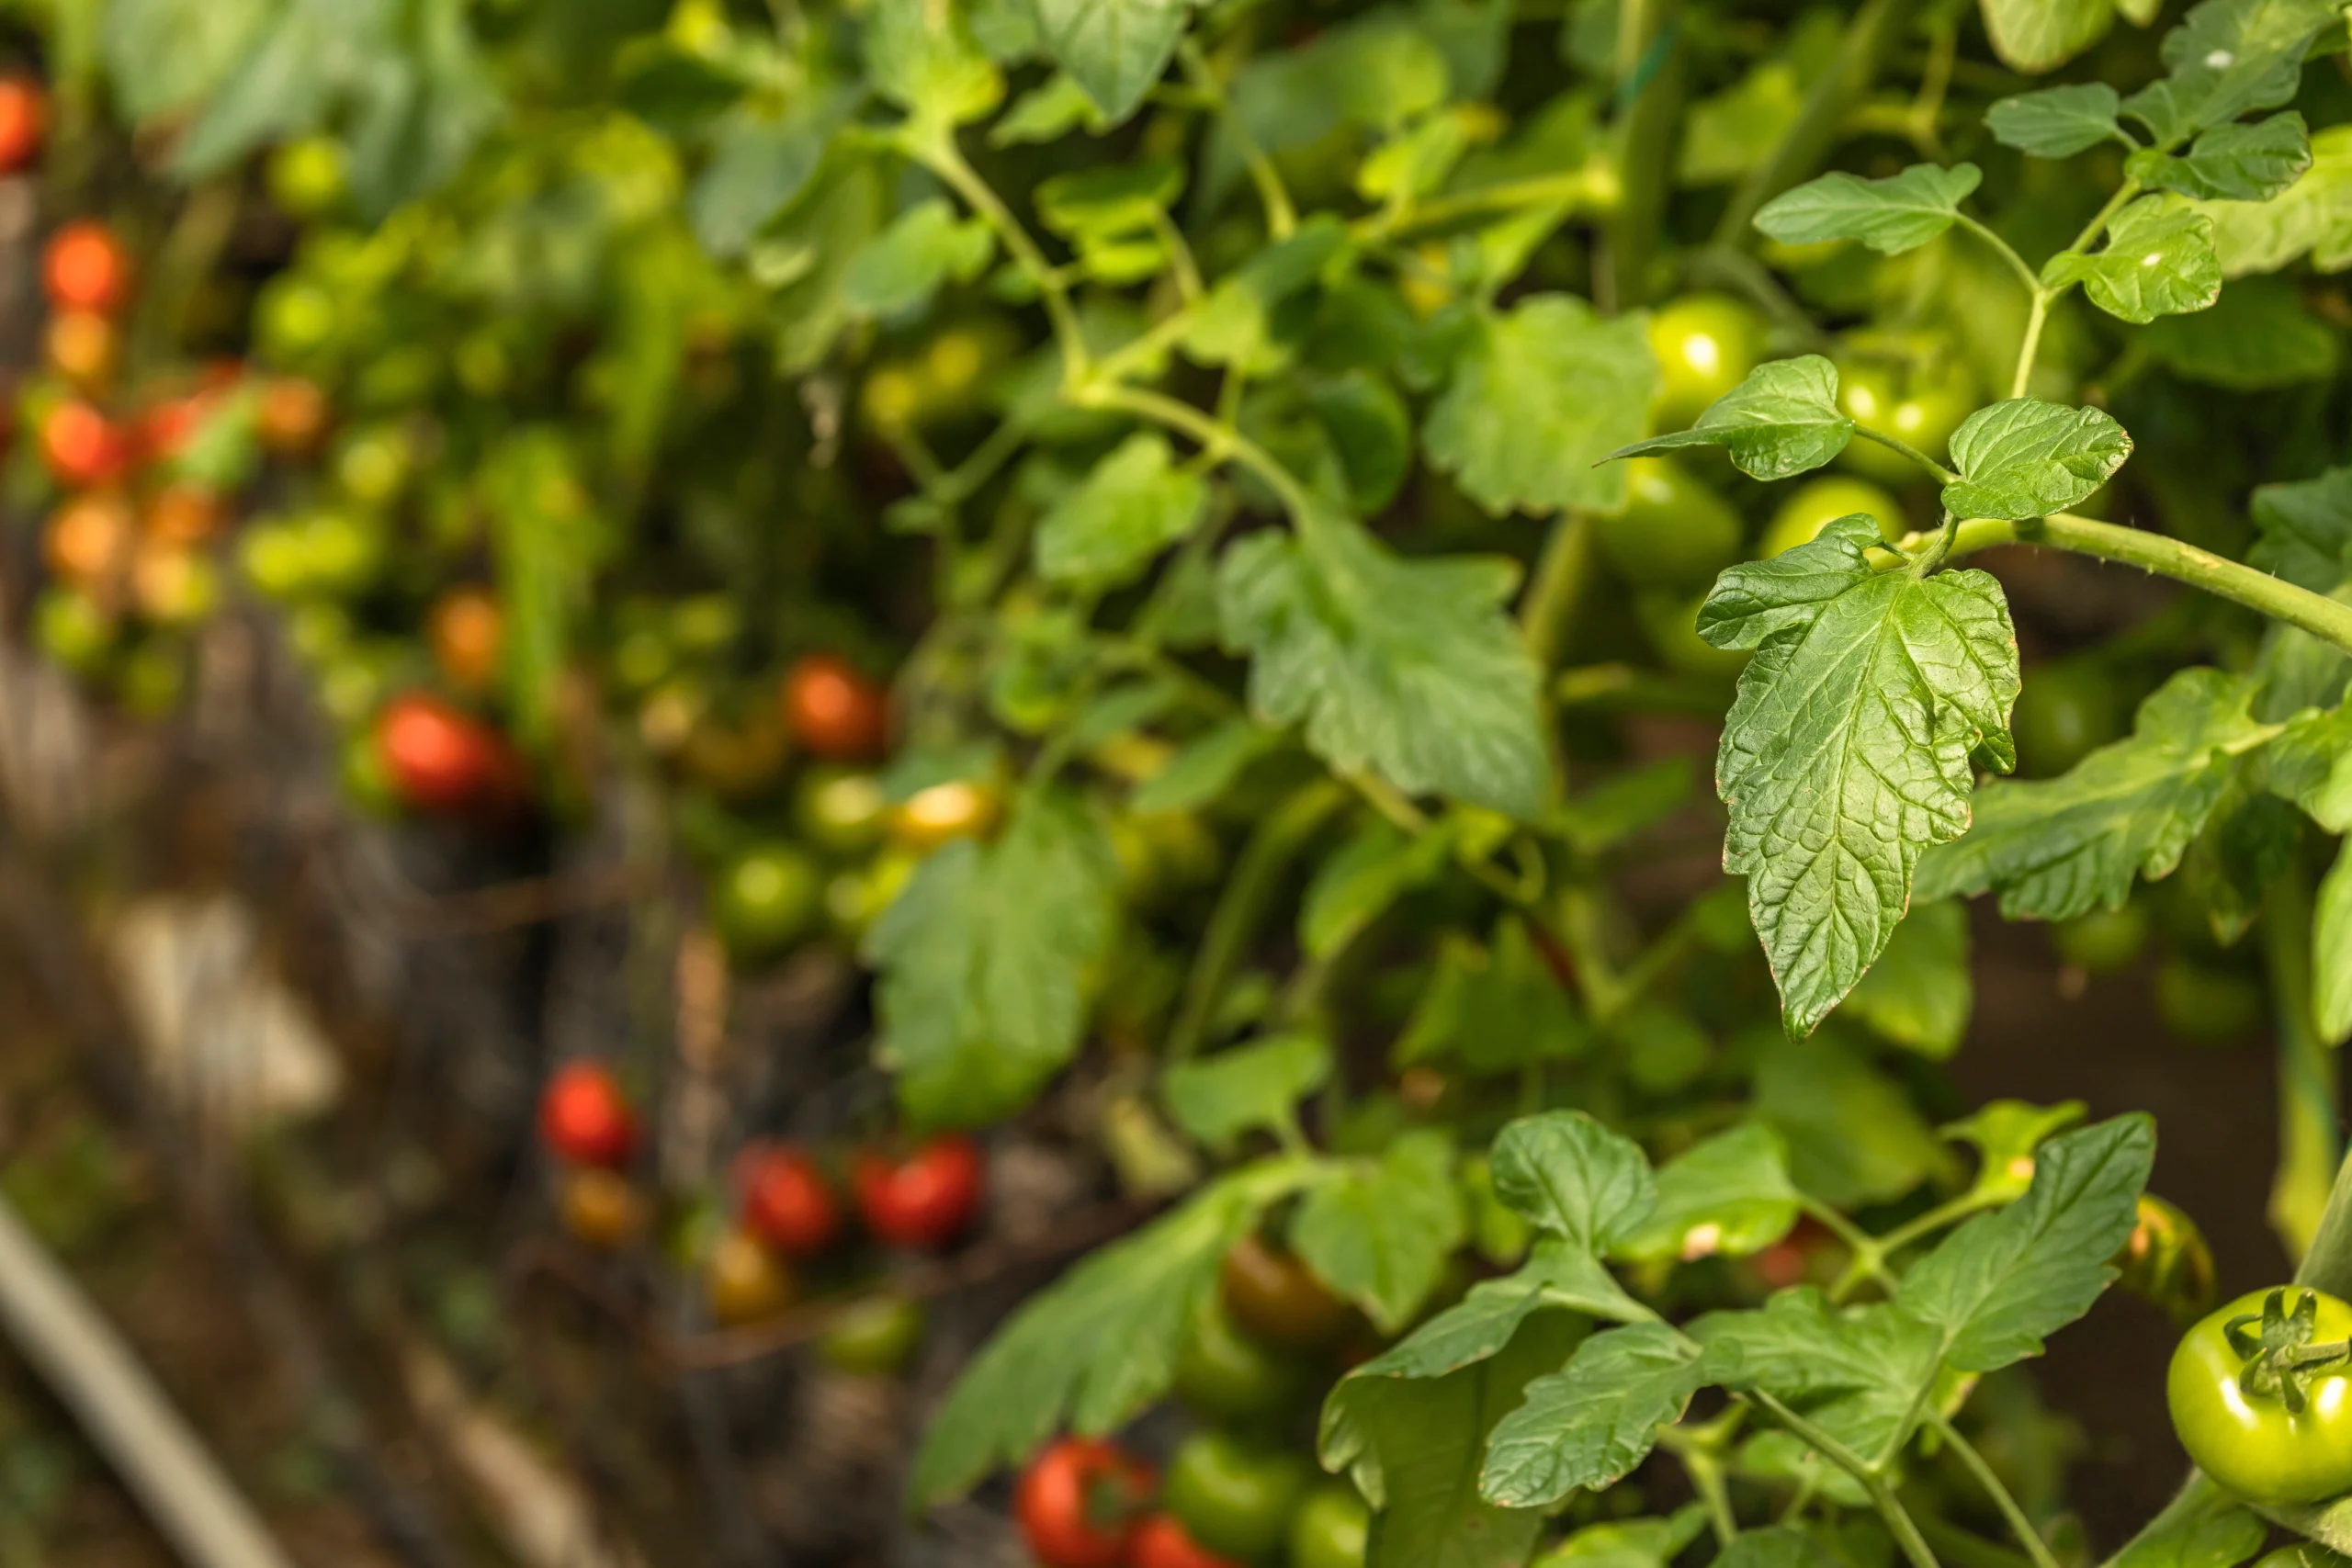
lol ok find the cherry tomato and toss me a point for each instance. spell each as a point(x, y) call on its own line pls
point(308, 178)
point(585, 1118)
point(2104, 941)
point(2064, 712)
point(1223, 1374)
point(1919, 411)
point(294, 317)
point(839, 810)
point(166, 429)
point(1330, 1529)
point(1822, 501)
point(172, 585)
point(81, 446)
point(184, 514)
point(787, 1201)
point(1234, 1496)
point(2207, 1005)
point(1675, 532)
point(2166, 1260)
point(959, 808)
point(442, 760)
point(373, 465)
point(745, 1281)
point(600, 1207)
point(765, 899)
point(84, 267)
point(1270, 1295)
point(467, 632)
point(874, 1337)
point(925, 1200)
point(24, 118)
point(833, 710)
point(88, 538)
point(1078, 1503)
point(734, 759)
point(291, 415)
point(1162, 1541)
point(80, 345)
point(2248, 1440)
point(72, 626)
point(1706, 344)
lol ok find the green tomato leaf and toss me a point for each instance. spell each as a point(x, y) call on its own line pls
point(1236, 324)
point(2158, 261)
point(1205, 768)
point(920, 56)
point(1114, 49)
point(1853, 1135)
point(2059, 848)
point(1846, 750)
point(2232, 162)
point(1996, 1287)
point(1538, 397)
point(1359, 883)
point(1379, 1234)
point(1730, 1195)
point(2027, 458)
point(1610, 811)
point(2332, 951)
point(1776, 1546)
point(1412, 1445)
point(2228, 57)
point(1371, 430)
point(2006, 1134)
point(1047, 112)
point(2305, 530)
point(2221, 1534)
point(1575, 1178)
point(1636, 1543)
point(1409, 667)
point(2311, 764)
point(1876, 1361)
point(983, 962)
point(1246, 1089)
point(1493, 1009)
point(2056, 122)
point(2258, 336)
point(1899, 213)
point(1919, 994)
point(2040, 35)
point(1485, 1319)
point(162, 55)
point(1134, 504)
point(759, 163)
point(901, 267)
point(1099, 1344)
point(1591, 1423)
point(2312, 217)
point(1783, 419)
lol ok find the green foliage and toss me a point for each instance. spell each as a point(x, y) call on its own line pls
point(1899, 213)
point(1783, 419)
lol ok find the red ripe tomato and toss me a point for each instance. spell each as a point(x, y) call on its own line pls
point(788, 1201)
point(1161, 1541)
point(166, 429)
point(833, 710)
point(442, 760)
point(24, 118)
point(82, 445)
point(925, 1200)
point(1078, 1501)
point(85, 268)
point(292, 415)
point(584, 1117)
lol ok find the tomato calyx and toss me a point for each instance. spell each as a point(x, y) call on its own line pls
point(2280, 1360)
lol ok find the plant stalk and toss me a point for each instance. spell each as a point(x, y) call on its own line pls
point(2311, 1135)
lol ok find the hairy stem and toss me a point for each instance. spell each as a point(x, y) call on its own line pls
point(2310, 1134)
point(1558, 584)
point(1897, 1519)
point(2020, 1526)
point(1217, 438)
point(1282, 217)
point(942, 157)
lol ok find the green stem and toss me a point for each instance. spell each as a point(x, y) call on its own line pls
point(1628, 686)
point(1282, 218)
point(1870, 1260)
point(942, 157)
point(1558, 583)
point(2324, 618)
point(1242, 906)
point(1179, 257)
point(2310, 1132)
point(1808, 141)
point(1965, 1549)
point(2038, 314)
point(2030, 347)
point(1895, 443)
point(1645, 141)
point(2020, 1526)
point(1215, 437)
point(1597, 186)
point(2006, 251)
point(2327, 1265)
point(1890, 1508)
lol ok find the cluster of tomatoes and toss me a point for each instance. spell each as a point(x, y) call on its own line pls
point(1241, 1489)
point(788, 1212)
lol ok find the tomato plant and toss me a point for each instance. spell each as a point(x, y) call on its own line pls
point(1078, 1503)
point(925, 1199)
point(2252, 1411)
point(788, 1201)
point(585, 1118)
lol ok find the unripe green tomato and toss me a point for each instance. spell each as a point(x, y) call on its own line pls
point(841, 810)
point(274, 559)
point(294, 319)
point(643, 659)
point(1919, 411)
point(1330, 1529)
point(372, 465)
point(1706, 344)
point(151, 678)
point(482, 363)
point(707, 623)
point(1675, 532)
point(71, 627)
point(1223, 1374)
point(876, 1338)
point(2064, 712)
point(319, 632)
point(1233, 1496)
point(1671, 620)
point(366, 781)
point(765, 899)
point(342, 553)
point(2208, 1005)
point(352, 683)
point(2248, 1441)
point(308, 178)
point(2103, 940)
point(1817, 503)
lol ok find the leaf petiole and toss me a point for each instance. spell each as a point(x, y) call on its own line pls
point(2020, 1526)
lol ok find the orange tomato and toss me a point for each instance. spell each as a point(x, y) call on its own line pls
point(600, 1207)
point(88, 538)
point(81, 346)
point(745, 1280)
point(184, 514)
point(466, 633)
point(834, 710)
point(23, 118)
point(292, 416)
point(81, 446)
point(85, 268)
